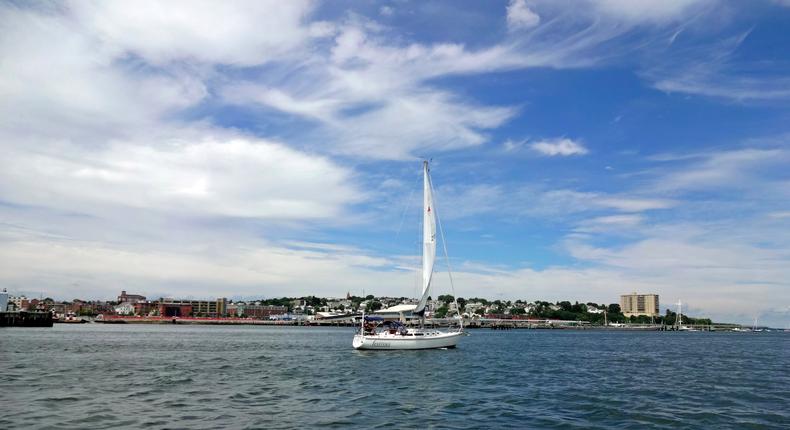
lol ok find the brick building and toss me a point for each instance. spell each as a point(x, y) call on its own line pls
point(195, 308)
point(256, 311)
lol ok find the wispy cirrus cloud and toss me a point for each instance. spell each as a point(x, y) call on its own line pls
point(372, 98)
point(710, 71)
point(616, 224)
point(651, 11)
point(736, 168)
point(519, 200)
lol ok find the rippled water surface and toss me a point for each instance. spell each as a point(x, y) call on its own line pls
point(132, 376)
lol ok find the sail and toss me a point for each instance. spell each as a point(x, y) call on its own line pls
point(428, 238)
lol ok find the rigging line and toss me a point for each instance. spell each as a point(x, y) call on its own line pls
point(419, 249)
point(408, 206)
point(446, 257)
point(405, 209)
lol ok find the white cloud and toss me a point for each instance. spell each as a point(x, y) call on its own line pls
point(200, 171)
point(370, 97)
point(418, 124)
point(82, 269)
point(722, 274)
point(56, 80)
point(240, 32)
point(561, 146)
point(520, 16)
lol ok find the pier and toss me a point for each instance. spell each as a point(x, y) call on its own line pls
point(25, 319)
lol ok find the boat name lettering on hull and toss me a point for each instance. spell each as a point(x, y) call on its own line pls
point(381, 344)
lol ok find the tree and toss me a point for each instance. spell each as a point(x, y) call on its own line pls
point(614, 308)
point(441, 312)
point(446, 298)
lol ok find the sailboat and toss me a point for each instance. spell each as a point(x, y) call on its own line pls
point(376, 333)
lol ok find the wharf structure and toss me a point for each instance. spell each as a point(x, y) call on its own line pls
point(26, 319)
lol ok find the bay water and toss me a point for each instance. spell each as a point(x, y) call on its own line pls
point(211, 377)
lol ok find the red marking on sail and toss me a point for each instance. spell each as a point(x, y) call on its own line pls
point(429, 208)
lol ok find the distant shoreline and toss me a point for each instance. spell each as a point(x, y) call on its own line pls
point(476, 324)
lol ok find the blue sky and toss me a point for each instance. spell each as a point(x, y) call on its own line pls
point(580, 150)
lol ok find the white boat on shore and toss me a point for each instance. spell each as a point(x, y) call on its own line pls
point(375, 333)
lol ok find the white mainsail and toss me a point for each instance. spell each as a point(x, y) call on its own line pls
point(428, 238)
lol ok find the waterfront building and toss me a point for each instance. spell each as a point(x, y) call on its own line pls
point(256, 311)
point(639, 304)
point(473, 307)
point(20, 302)
point(3, 300)
point(175, 310)
point(196, 308)
point(144, 307)
point(339, 303)
point(125, 308)
point(594, 310)
point(58, 309)
point(130, 298)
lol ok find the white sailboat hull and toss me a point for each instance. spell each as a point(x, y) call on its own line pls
point(389, 342)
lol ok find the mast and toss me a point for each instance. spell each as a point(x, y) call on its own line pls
point(679, 318)
point(428, 238)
